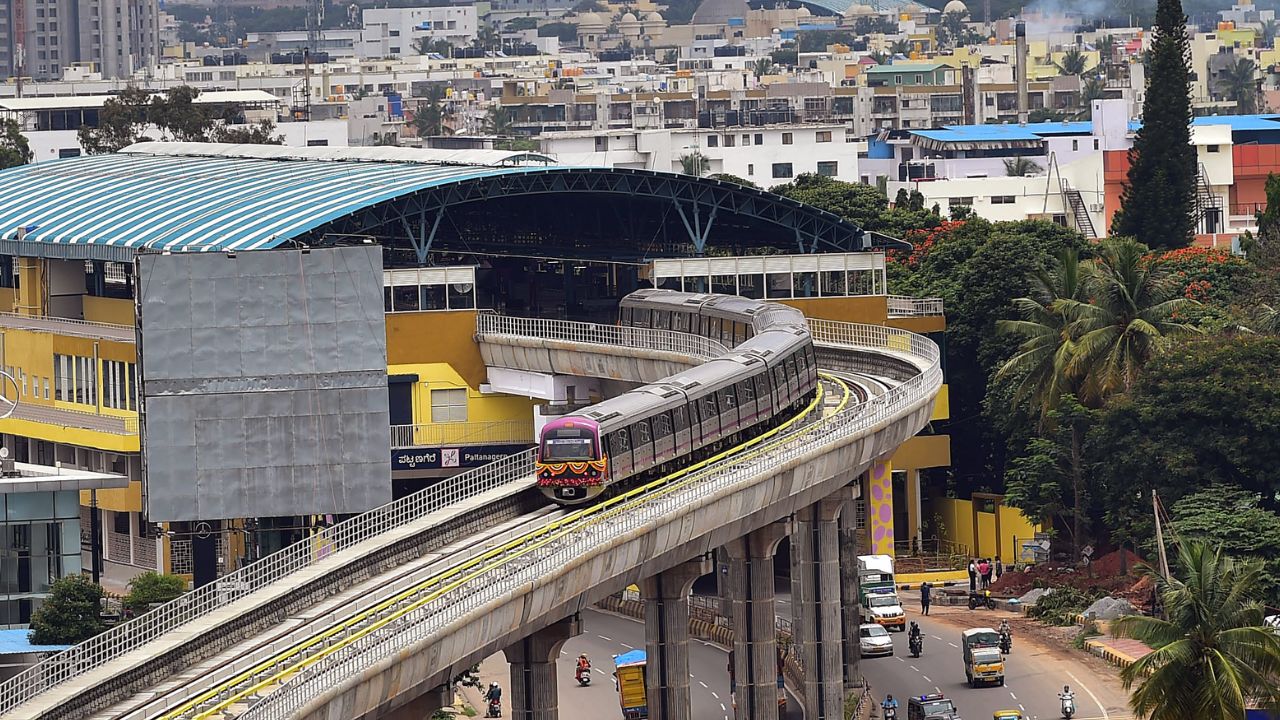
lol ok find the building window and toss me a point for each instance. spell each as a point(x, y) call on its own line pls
point(1212, 148)
point(822, 136)
point(1003, 199)
point(786, 140)
point(64, 378)
point(116, 378)
point(759, 138)
point(827, 168)
point(782, 170)
point(959, 201)
point(729, 141)
point(449, 405)
point(713, 141)
point(751, 169)
point(746, 140)
point(1095, 143)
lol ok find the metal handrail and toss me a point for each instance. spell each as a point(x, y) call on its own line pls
point(191, 606)
point(601, 526)
point(903, 306)
point(73, 322)
point(461, 433)
point(596, 334)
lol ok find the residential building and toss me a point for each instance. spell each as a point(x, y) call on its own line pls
point(118, 37)
point(392, 32)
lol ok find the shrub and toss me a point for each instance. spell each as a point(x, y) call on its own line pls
point(72, 613)
point(1061, 606)
point(151, 588)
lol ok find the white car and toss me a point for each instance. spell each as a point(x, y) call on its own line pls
point(874, 640)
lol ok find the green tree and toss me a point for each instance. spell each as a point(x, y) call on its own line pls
point(762, 67)
point(14, 149)
point(567, 32)
point(1128, 318)
point(1050, 479)
point(121, 123)
point(1092, 88)
point(1021, 167)
point(431, 115)
point(1106, 47)
point(954, 28)
point(425, 46)
point(499, 121)
point(259, 133)
point(1212, 654)
point(71, 614)
point(1232, 517)
point(695, 164)
point(1074, 62)
point(152, 588)
point(1269, 34)
point(1263, 249)
point(1240, 84)
point(1156, 205)
point(726, 177)
point(858, 203)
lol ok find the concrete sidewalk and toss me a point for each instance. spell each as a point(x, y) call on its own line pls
point(1120, 652)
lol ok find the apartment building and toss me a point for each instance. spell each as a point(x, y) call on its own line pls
point(117, 37)
point(392, 32)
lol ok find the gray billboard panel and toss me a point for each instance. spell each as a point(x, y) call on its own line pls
point(264, 383)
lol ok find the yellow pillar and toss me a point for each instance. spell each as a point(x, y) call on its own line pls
point(913, 507)
point(880, 507)
point(30, 286)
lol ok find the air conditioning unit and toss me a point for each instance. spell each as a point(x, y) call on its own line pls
point(1096, 207)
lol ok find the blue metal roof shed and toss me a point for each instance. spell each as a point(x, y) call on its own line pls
point(209, 197)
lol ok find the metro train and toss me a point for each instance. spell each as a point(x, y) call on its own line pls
point(652, 430)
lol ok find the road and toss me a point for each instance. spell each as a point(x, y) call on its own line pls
point(606, 635)
point(1034, 674)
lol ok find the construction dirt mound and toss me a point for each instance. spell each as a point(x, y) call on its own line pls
point(1112, 573)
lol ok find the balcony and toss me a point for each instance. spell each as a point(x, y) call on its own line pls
point(496, 432)
point(901, 306)
point(76, 419)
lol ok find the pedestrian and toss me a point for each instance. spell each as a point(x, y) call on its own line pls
point(999, 568)
point(973, 575)
point(984, 571)
point(924, 597)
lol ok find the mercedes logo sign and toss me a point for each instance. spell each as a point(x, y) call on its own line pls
point(9, 394)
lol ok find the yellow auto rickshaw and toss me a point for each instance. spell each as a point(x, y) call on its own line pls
point(1008, 715)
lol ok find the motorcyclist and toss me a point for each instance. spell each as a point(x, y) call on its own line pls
point(1006, 636)
point(1004, 628)
point(890, 706)
point(1067, 698)
point(1066, 693)
point(494, 695)
point(584, 665)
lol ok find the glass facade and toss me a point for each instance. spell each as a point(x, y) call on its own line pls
point(39, 543)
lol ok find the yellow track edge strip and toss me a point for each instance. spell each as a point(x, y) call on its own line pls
point(552, 531)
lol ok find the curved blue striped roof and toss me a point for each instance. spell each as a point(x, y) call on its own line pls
point(195, 203)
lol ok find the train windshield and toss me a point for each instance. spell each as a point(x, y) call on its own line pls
point(562, 449)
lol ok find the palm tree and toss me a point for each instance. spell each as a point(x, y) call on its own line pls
point(1269, 33)
point(695, 164)
point(1240, 84)
point(762, 67)
point(900, 47)
point(1073, 62)
point(1042, 365)
point(1021, 167)
point(1106, 46)
point(1266, 318)
point(1127, 319)
point(954, 28)
point(499, 121)
point(431, 114)
point(1212, 656)
point(1093, 88)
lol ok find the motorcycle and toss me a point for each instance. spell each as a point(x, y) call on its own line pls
point(916, 643)
point(495, 709)
point(1068, 706)
point(1006, 642)
point(977, 600)
point(583, 675)
point(890, 713)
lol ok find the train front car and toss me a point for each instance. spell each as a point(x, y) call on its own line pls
point(571, 465)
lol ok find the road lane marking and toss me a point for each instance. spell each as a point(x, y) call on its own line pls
point(901, 660)
point(1015, 697)
point(926, 678)
point(953, 645)
point(1105, 715)
point(606, 639)
point(723, 708)
point(715, 694)
point(1022, 707)
point(704, 685)
point(600, 671)
point(913, 667)
point(626, 646)
point(935, 637)
point(937, 689)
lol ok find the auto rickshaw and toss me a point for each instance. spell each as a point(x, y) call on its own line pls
point(1008, 715)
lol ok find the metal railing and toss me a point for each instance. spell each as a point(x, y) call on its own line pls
point(595, 334)
point(112, 644)
point(902, 306)
point(469, 591)
point(83, 419)
point(68, 326)
point(461, 433)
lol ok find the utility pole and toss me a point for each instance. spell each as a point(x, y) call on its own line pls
point(1164, 559)
point(315, 19)
point(20, 48)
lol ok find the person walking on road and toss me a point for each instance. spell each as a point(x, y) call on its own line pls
point(999, 570)
point(984, 570)
point(973, 576)
point(924, 597)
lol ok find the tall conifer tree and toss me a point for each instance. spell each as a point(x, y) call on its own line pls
point(1158, 203)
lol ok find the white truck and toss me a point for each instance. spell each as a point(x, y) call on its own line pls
point(877, 593)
